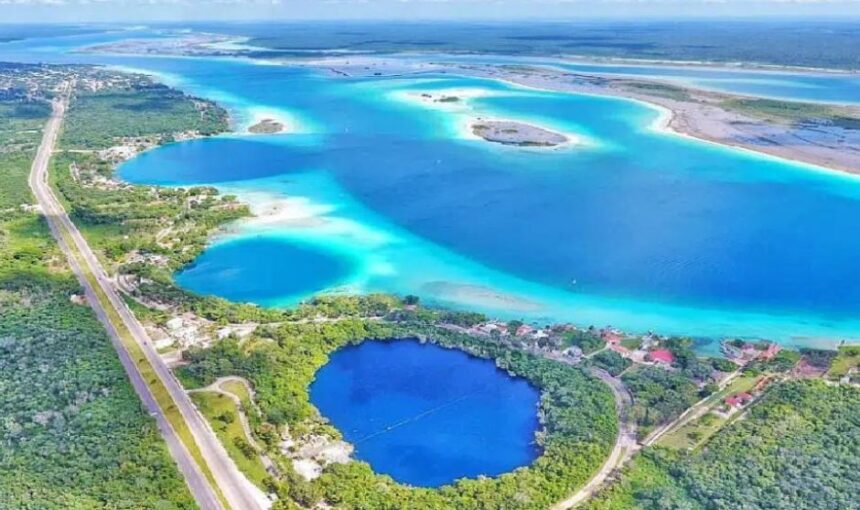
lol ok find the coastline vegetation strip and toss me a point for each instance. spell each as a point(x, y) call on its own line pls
point(136, 354)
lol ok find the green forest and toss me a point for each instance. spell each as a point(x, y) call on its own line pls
point(798, 448)
point(134, 106)
point(73, 435)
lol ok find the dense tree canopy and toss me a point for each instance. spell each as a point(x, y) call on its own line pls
point(799, 448)
point(73, 435)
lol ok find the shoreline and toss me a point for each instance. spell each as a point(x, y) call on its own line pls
point(595, 308)
point(574, 58)
point(507, 297)
point(699, 117)
point(822, 156)
point(670, 117)
point(664, 123)
point(708, 64)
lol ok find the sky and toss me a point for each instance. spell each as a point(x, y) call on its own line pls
point(186, 10)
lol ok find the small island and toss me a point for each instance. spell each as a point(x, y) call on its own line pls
point(516, 133)
point(266, 127)
point(441, 98)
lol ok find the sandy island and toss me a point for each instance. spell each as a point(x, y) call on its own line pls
point(262, 120)
point(267, 126)
point(826, 136)
point(495, 130)
point(508, 132)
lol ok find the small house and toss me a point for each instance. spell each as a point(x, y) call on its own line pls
point(661, 356)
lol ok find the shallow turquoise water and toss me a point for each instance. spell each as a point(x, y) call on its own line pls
point(632, 227)
point(426, 415)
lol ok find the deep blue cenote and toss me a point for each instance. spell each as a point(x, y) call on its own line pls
point(426, 415)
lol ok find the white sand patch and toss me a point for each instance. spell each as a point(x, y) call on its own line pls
point(338, 452)
point(470, 294)
point(436, 98)
point(307, 468)
point(465, 115)
point(236, 44)
point(302, 216)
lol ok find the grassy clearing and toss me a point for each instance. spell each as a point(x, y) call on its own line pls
point(789, 112)
point(658, 89)
point(238, 389)
point(223, 415)
point(740, 384)
point(848, 358)
point(631, 343)
point(694, 433)
point(697, 432)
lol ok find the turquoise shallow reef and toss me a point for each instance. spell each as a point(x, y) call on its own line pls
point(376, 187)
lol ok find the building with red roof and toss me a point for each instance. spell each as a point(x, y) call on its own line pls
point(739, 399)
point(524, 330)
point(611, 337)
point(664, 356)
point(771, 351)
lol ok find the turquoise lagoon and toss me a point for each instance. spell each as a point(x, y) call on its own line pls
point(632, 227)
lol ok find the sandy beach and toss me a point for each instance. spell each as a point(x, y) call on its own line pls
point(704, 116)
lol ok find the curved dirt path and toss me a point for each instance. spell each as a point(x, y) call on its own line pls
point(625, 446)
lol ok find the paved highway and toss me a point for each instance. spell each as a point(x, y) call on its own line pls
point(240, 493)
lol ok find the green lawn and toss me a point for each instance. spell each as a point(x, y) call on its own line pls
point(848, 358)
point(631, 343)
point(697, 431)
point(693, 433)
point(238, 389)
point(223, 415)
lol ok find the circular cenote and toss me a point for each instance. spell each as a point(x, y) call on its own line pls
point(463, 416)
point(426, 415)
